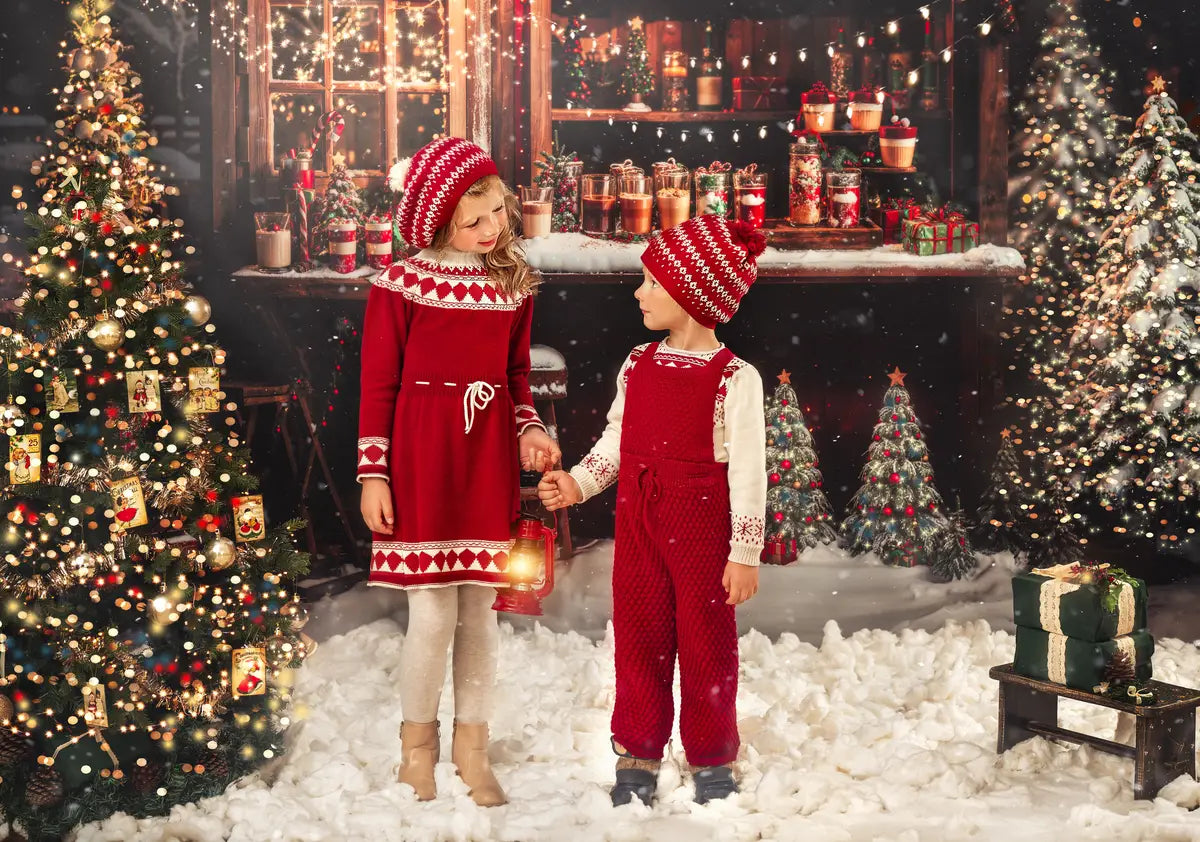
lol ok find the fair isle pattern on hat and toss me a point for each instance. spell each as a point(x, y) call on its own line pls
point(440, 173)
point(706, 265)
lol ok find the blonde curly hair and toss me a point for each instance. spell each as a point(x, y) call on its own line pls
point(506, 261)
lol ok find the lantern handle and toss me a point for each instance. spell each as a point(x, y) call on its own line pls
point(550, 535)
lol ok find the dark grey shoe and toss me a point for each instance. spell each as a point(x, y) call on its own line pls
point(634, 783)
point(714, 782)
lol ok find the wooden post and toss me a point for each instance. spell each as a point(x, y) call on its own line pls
point(503, 106)
point(259, 67)
point(541, 132)
point(993, 142)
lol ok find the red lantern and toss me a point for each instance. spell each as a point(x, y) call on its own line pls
point(530, 569)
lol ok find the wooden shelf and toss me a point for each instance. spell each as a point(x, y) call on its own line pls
point(601, 115)
point(872, 170)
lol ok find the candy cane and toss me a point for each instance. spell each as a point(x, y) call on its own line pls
point(302, 224)
point(330, 120)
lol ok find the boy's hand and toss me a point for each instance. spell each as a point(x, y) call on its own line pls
point(538, 451)
point(558, 489)
point(376, 505)
point(740, 581)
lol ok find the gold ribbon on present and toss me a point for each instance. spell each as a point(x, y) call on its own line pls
point(1138, 695)
point(1067, 578)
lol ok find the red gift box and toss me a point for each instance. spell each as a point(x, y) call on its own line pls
point(759, 93)
point(890, 217)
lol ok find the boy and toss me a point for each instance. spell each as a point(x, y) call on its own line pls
point(686, 442)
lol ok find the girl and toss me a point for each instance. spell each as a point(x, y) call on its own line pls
point(446, 416)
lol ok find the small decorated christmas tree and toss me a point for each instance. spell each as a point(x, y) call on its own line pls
point(897, 511)
point(579, 89)
point(561, 169)
point(952, 557)
point(342, 202)
point(1057, 541)
point(1002, 519)
point(797, 512)
point(636, 79)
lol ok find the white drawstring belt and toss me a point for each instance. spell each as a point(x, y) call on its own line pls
point(478, 395)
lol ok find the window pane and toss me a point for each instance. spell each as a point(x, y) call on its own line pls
point(420, 43)
point(422, 119)
point(293, 117)
point(297, 34)
point(362, 141)
point(356, 40)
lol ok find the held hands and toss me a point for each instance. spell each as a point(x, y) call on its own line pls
point(740, 582)
point(558, 489)
point(376, 505)
point(538, 451)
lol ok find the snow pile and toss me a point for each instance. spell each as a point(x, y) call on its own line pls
point(581, 254)
point(872, 736)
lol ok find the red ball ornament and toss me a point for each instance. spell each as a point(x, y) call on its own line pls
point(918, 435)
point(887, 510)
point(789, 435)
point(808, 518)
point(779, 516)
point(874, 479)
point(784, 402)
point(876, 438)
point(814, 484)
point(774, 477)
point(895, 478)
point(97, 216)
point(887, 453)
point(929, 479)
point(895, 417)
point(787, 463)
point(909, 511)
point(896, 434)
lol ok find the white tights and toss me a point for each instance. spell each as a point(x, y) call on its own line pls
point(436, 616)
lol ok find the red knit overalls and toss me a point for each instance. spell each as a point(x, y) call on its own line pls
point(672, 544)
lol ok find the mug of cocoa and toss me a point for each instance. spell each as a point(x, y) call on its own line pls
point(599, 205)
point(673, 191)
point(537, 206)
point(637, 204)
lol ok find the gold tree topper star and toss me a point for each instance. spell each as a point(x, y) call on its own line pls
point(897, 376)
point(339, 159)
point(1158, 84)
point(636, 22)
point(1005, 433)
point(784, 377)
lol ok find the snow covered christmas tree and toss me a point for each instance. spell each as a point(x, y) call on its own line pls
point(1063, 152)
point(1002, 521)
point(897, 511)
point(797, 512)
point(144, 653)
point(1131, 419)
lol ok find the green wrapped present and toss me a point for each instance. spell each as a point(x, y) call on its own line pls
point(1079, 663)
point(939, 232)
point(1087, 603)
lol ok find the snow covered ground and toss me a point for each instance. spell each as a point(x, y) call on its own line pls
point(865, 708)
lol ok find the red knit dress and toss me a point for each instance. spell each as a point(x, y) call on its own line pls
point(445, 393)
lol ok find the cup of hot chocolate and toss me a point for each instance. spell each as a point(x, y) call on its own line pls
point(537, 208)
point(637, 204)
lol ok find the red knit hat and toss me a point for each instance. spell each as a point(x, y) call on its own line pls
point(440, 173)
point(706, 264)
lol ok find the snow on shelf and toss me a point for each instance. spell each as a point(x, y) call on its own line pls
point(577, 253)
point(362, 273)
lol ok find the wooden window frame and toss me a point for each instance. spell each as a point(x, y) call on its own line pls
point(261, 86)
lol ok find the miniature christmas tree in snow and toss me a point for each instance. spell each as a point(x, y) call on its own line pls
point(1002, 519)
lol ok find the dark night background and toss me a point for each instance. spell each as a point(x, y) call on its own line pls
point(837, 340)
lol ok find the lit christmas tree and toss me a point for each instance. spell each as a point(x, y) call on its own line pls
point(1003, 521)
point(797, 511)
point(1057, 540)
point(560, 169)
point(897, 512)
point(342, 202)
point(146, 655)
point(1061, 165)
point(579, 90)
point(636, 79)
point(1129, 419)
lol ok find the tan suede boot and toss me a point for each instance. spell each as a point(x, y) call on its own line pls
point(471, 758)
point(420, 746)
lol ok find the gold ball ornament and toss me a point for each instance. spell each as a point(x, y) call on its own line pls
point(101, 29)
point(107, 334)
point(297, 614)
point(197, 308)
point(220, 554)
point(163, 609)
point(84, 564)
point(6, 709)
point(82, 59)
point(280, 651)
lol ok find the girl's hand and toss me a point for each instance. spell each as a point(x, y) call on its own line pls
point(740, 582)
point(538, 451)
point(558, 489)
point(376, 505)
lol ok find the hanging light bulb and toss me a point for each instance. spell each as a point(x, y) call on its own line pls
point(862, 40)
point(893, 27)
point(658, 131)
point(762, 131)
point(745, 62)
point(829, 50)
point(913, 77)
point(773, 58)
point(683, 137)
point(803, 54)
point(946, 55)
point(925, 12)
point(633, 127)
point(985, 27)
point(735, 136)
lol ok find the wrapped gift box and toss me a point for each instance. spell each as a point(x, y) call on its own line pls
point(759, 93)
point(890, 217)
point(1064, 604)
point(939, 232)
point(1078, 663)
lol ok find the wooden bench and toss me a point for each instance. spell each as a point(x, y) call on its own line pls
point(1165, 745)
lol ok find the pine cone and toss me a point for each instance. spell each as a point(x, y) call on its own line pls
point(13, 748)
point(45, 788)
point(216, 764)
point(146, 778)
point(1120, 669)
